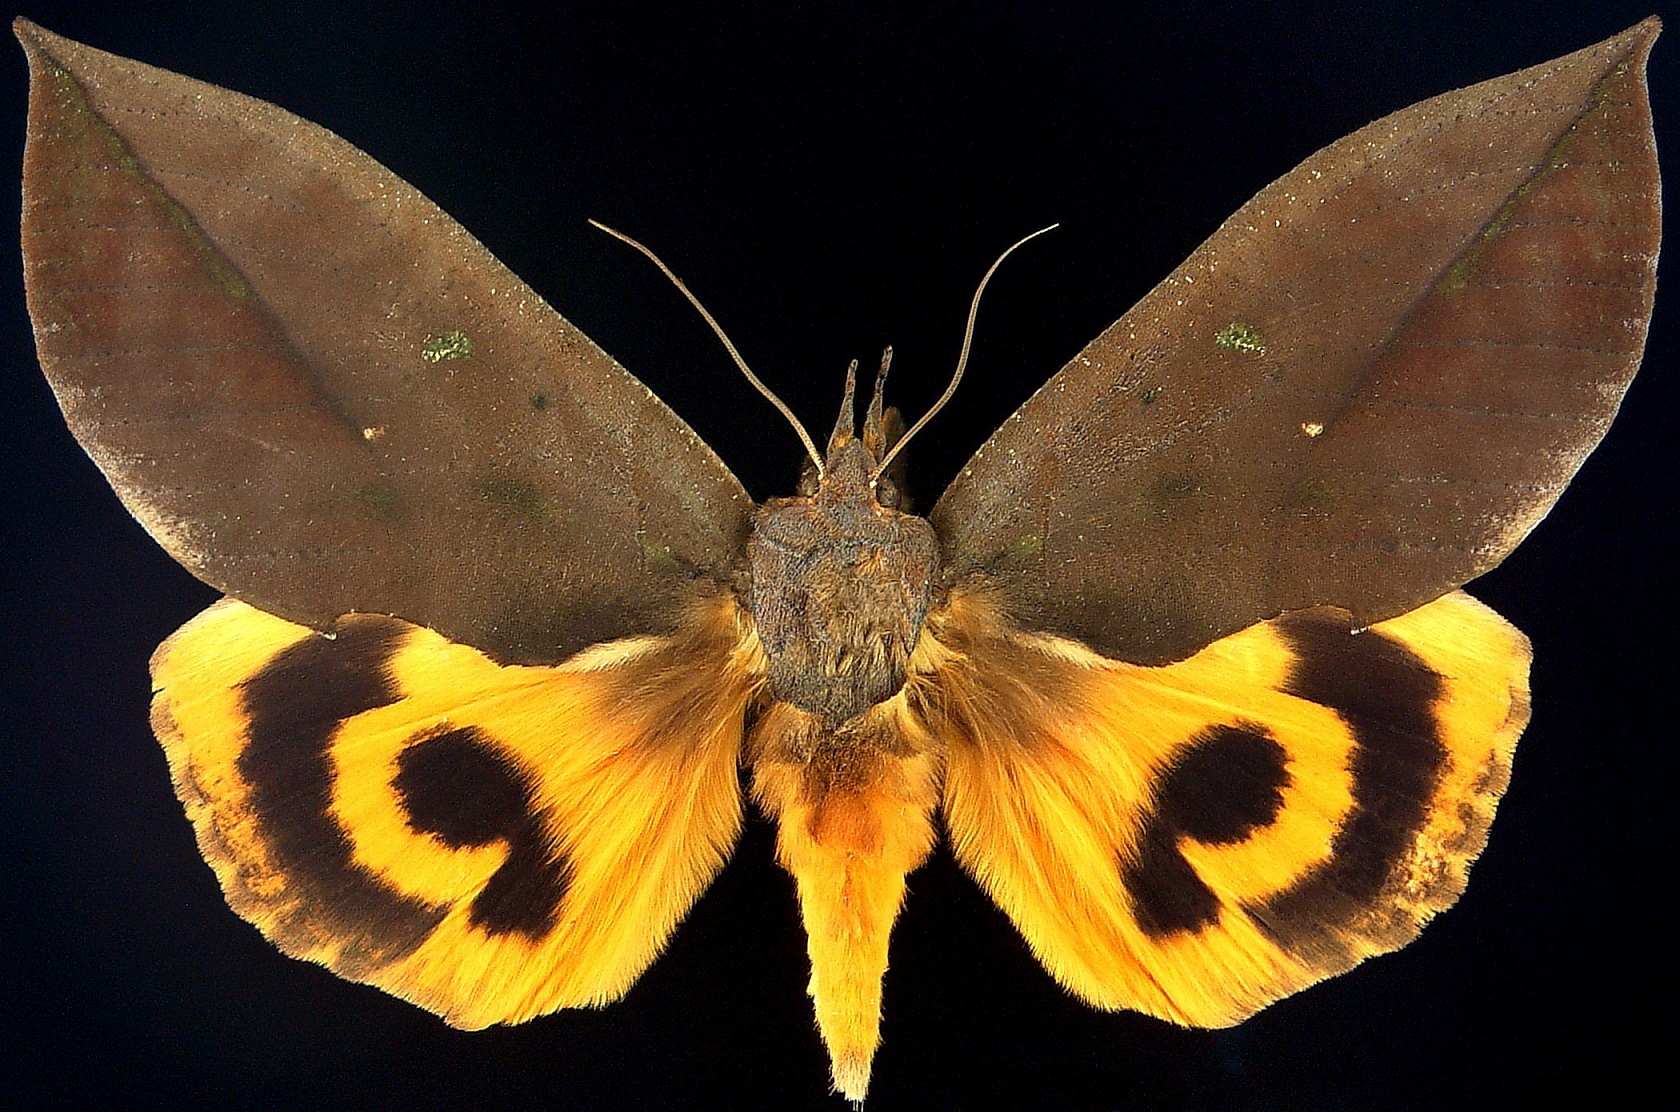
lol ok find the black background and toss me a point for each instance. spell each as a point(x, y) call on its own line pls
point(831, 178)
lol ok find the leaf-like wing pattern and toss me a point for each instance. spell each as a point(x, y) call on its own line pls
point(1362, 391)
point(322, 395)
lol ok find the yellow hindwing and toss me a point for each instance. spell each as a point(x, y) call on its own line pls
point(489, 842)
point(1198, 840)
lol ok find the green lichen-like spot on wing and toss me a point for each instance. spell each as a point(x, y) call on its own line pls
point(1452, 301)
point(232, 305)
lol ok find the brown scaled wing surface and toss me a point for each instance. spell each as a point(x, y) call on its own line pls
point(1363, 390)
point(322, 395)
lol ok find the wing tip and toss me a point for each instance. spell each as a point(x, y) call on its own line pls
point(1643, 33)
point(30, 35)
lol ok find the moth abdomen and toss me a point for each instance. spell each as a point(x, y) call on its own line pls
point(854, 814)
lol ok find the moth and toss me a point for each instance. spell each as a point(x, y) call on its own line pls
point(1178, 662)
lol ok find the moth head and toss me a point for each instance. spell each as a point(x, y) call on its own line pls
point(852, 464)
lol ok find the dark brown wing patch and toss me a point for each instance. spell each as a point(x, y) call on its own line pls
point(1225, 784)
point(462, 787)
point(295, 705)
point(1388, 696)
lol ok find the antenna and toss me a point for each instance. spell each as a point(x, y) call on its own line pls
point(804, 437)
point(962, 359)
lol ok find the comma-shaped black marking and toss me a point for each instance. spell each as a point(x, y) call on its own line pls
point(459, 785)
point(1225, 784)
point(1386, 694)
point(293, 706)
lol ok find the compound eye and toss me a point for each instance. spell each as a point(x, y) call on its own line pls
point(808, 483)
point(887, 494)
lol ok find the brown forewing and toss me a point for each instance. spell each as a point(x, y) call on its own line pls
point(322, 395)
point(1363, 390)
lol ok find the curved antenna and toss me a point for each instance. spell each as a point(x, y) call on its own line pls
point(781, 407)
point(962, 359)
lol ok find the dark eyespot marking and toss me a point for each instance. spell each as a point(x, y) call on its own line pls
point(1226, 784)
point(293, 706)
point(459, 786)
point(1386, 694)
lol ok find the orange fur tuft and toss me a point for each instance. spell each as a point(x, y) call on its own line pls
point(854, 812)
